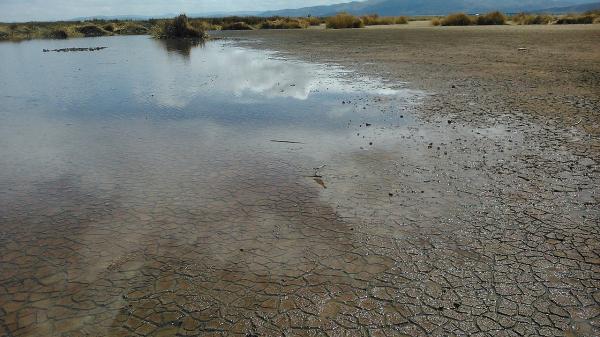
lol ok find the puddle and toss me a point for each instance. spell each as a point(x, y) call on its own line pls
point(161, 188)
point(150, 168)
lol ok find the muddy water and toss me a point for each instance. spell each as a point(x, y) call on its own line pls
point(159, 187)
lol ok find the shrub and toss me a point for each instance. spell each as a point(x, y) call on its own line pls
point(109, 27)
point(3, 35)
point(458, 19)
point(314, 21)
point(436, 22)
point(284, 24)
point(57, 34)
point(493, 18)
point(528, 19)
point(131, 28)
point(374, 20)
point(344, 20)
point(370, 20)
point(91, 30)
point(401, 20)
point(576, 19)
point(237, 26)
point(179, 28)
point(204, 25)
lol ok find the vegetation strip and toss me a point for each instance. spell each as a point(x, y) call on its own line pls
point(184, 27)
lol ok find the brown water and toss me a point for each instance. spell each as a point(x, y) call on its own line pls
point(159, 187)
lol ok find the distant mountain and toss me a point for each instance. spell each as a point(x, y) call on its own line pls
point(571, 9)
point(120, 17)
point(165, 16)
point(397, 7)
point(424, 7)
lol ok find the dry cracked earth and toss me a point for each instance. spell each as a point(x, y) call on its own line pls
point(478, 222)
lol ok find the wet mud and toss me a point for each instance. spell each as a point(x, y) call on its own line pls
point(429, 225)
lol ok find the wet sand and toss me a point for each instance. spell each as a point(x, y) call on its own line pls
point(474, 212)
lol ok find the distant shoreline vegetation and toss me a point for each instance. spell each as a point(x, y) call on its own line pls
point(178, 28)
point(184, 27)
point(498, 18)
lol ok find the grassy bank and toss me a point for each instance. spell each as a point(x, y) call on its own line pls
point(497, 18)
point(196, 26)
point(64, 30)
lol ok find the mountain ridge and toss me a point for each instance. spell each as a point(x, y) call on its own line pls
point(425, 7)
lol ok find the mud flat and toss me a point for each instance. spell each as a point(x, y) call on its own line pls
point(307, 199)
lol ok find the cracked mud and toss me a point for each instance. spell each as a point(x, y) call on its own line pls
point(178, 222)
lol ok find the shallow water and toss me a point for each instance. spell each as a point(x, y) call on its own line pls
point(162, 189)
point(151, 182)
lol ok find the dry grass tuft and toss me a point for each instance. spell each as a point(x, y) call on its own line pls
point(458, 19)
point(178, 28)
point(530, 19)
point(493, 18)
point(285, 24)
point(375, 20)
point(462, 19)
point(344, 20)
point(582, 19)
point(237, 26)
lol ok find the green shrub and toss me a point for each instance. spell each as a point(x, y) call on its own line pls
point(493, 18)
point(458, 19)
point(344, 20)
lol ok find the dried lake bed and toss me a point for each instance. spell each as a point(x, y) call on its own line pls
point(169, 189)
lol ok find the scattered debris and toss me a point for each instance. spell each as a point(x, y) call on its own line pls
point(285, 141)
point(522, 49)
point(73, 49)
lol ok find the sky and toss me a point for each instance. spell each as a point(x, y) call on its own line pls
point(32, 10)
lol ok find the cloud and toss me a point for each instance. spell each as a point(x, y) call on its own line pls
point(27, 10)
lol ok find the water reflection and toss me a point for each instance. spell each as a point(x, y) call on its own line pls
point(120, 165)
point(182, 47)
